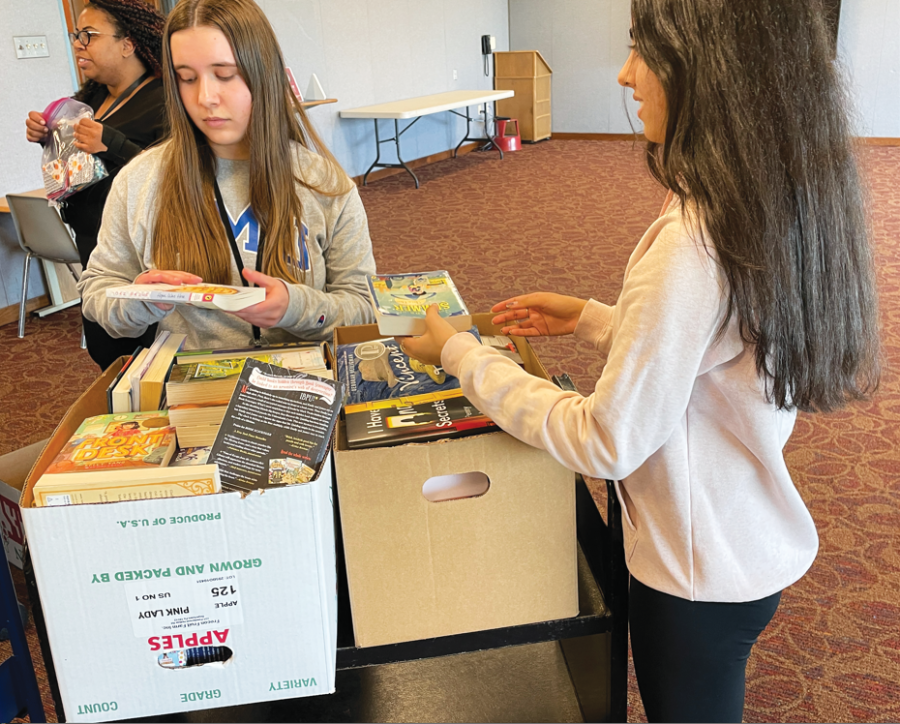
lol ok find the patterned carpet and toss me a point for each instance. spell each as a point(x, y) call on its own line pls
point(564, 216)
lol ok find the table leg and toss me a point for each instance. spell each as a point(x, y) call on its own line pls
point(487, 139)
point(402, 162)
point(377, 154)
point(396, 139)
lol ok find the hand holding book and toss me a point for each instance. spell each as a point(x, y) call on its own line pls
point(429, 346)
point(160, 276)
point(270, 312)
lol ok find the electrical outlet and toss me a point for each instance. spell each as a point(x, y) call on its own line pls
point(455, 74)
point(31, 46)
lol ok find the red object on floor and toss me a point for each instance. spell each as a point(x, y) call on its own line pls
point(512, 142)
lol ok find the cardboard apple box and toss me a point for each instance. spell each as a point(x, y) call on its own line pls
point(131, 591)
point(503, 556)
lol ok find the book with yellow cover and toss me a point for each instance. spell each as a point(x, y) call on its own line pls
point(134, 484)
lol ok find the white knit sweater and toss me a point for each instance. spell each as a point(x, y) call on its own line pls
point(679, 417)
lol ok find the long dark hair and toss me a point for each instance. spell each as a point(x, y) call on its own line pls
point(758, 141)
point(138, 20)
point(188, 234)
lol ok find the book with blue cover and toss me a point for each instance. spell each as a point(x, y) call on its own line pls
point(379, 370)
point(400, 301)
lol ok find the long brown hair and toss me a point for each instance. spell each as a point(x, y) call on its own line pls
point(758, 141)
point(188, 233)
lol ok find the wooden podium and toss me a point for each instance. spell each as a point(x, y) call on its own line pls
point(528, 74)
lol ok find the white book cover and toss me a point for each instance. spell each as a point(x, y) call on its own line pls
point(210, 296)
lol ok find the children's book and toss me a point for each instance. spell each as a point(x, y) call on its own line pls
point(277, 427)
point(401, 300)
point(191, 456)
point(413, 419)
point(117, 442)
point(209, 296)
point(315, 355)
point(213, 381)
point(379, 370)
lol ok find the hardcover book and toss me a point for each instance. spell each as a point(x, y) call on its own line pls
point(277, 427)
point(209, 296)
point(401, 300)
point(413, 419)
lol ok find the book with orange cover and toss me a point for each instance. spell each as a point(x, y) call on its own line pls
point(120, 457)
point(115, 442)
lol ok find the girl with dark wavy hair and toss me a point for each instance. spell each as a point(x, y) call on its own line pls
point(243, 191)
point(118, 46)
point(752, 296)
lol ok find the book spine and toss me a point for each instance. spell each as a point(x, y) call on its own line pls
point(150, 295)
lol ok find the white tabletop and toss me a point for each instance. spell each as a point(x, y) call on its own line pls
point(425, 105)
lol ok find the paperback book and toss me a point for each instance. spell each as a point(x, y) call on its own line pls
point(420, 418)
point(379, 370)
point(209, 296)
point(121, 457)
point(214, 380)
point(400, 301)
point(277, 427)
point(116, 442)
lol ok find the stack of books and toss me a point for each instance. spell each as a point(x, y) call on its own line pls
point(390, 399)
point(121, 457)
point(140, 383)
point(201, 384)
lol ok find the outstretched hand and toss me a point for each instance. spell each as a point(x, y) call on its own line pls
point(429, 346)
point(269, 312)
point(539, 314)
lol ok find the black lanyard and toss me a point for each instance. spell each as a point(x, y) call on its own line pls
point(229, 232)
point(124, 95)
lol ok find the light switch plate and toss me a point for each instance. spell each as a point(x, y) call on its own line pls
point(31, 46)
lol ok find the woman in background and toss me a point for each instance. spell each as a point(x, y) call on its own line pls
point(752, 296)
point(118, 46)
point(243, 191)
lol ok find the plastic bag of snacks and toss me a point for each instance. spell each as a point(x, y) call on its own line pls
point(67, 169)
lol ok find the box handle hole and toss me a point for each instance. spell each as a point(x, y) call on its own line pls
point(197, 656)
point(454, 487)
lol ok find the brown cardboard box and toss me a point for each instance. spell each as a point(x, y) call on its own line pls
point(418, 569)
point(14, 469)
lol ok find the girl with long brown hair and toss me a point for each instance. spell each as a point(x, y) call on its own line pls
point(752, 296)
point(243, 191)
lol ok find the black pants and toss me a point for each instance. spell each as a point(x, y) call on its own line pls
point(690, 657)
point(103, 348)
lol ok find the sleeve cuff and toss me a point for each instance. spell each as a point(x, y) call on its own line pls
point(456, 348)
point(594, 322)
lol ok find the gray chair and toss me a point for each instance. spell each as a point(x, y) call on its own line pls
point(42, 234)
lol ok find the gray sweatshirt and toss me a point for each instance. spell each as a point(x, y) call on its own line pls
point(334, 247)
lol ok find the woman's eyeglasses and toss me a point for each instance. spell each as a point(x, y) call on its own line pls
point(84, 36)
